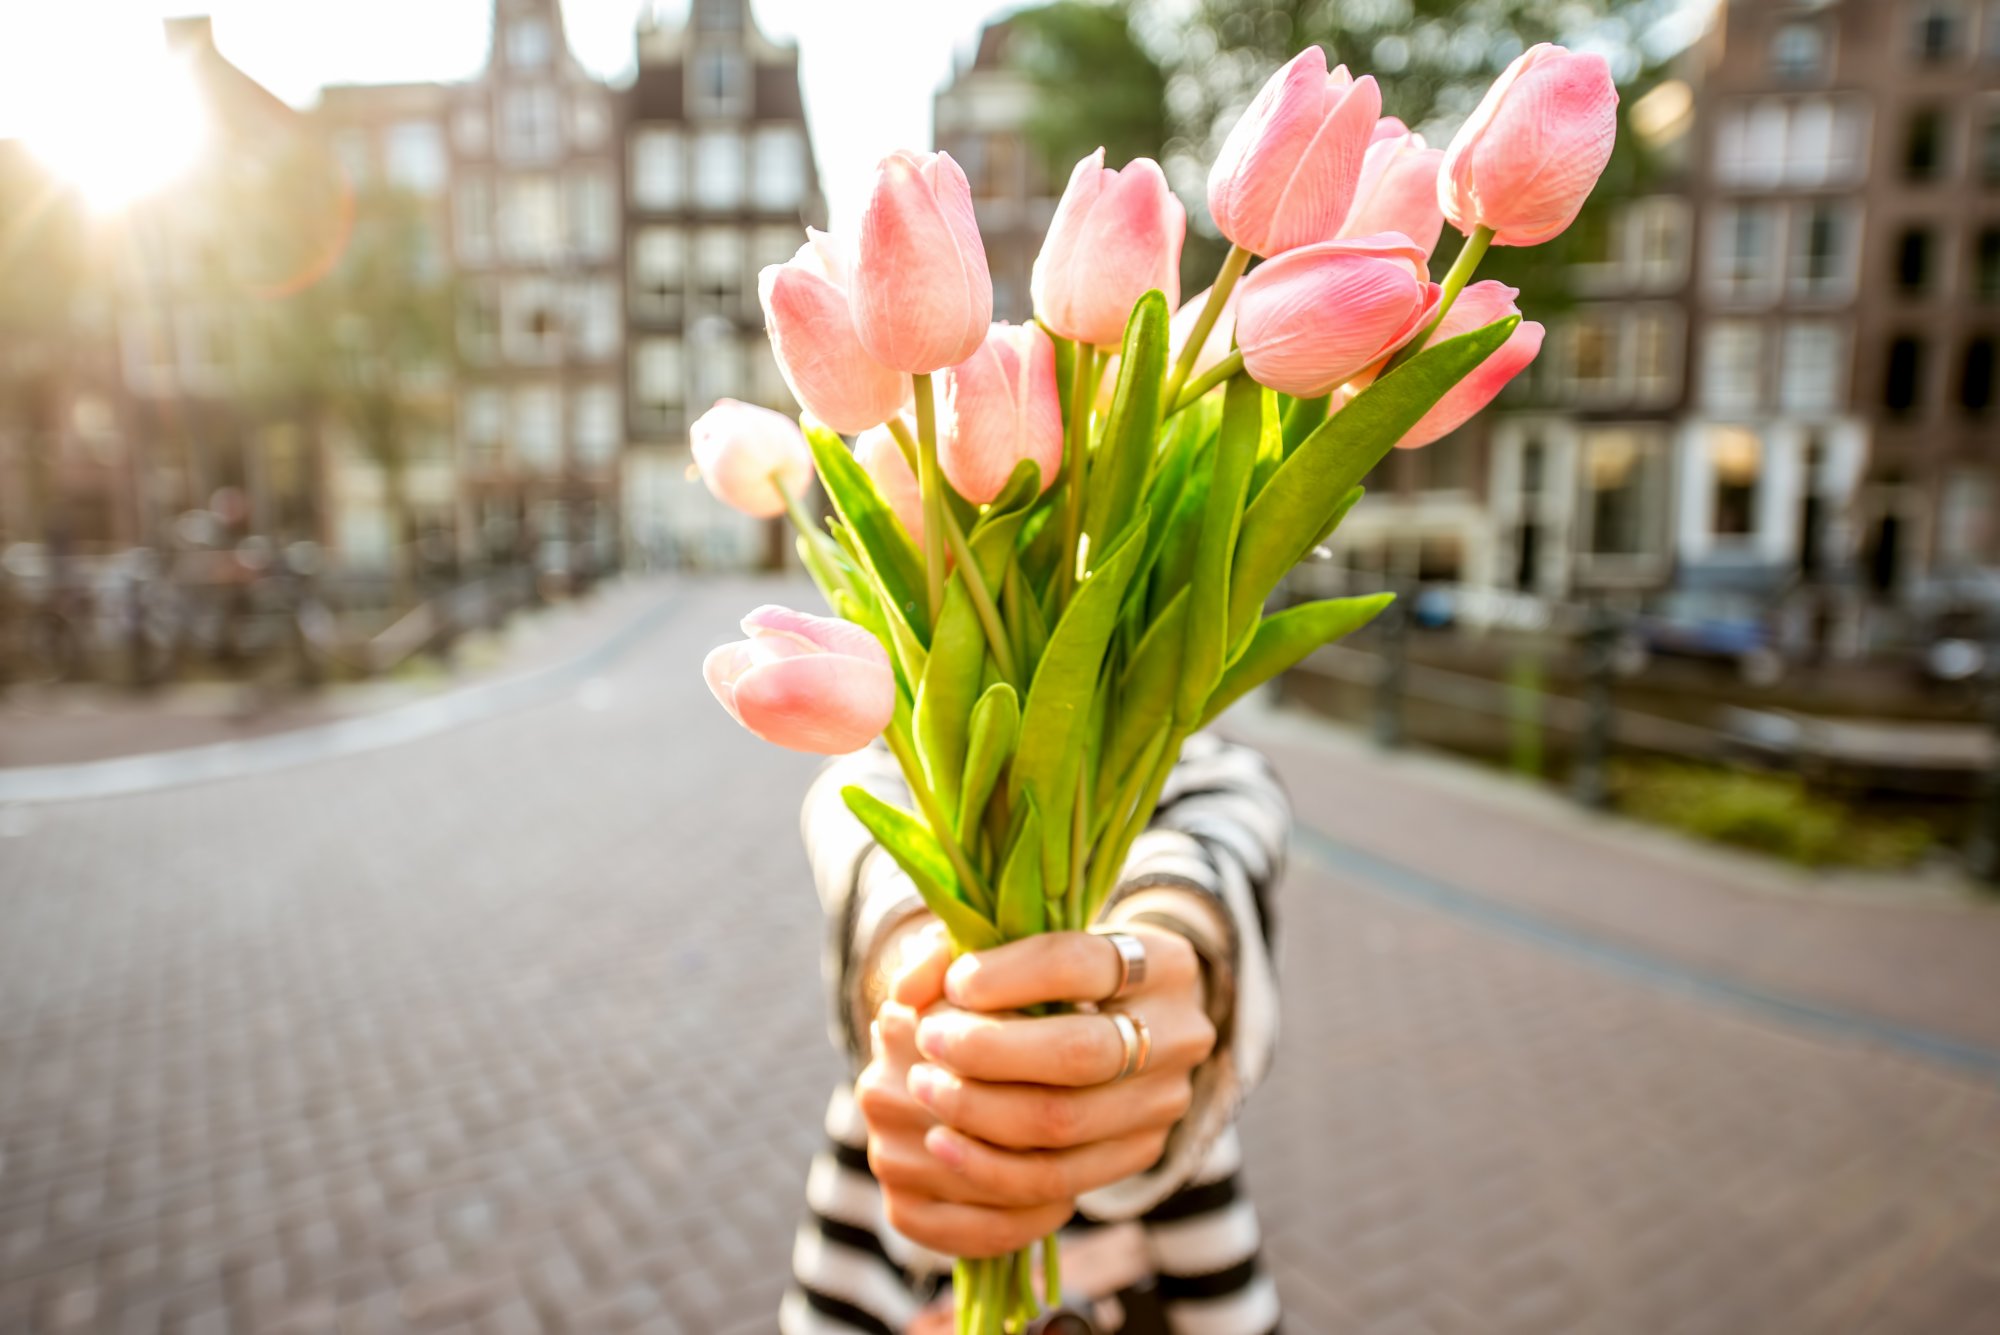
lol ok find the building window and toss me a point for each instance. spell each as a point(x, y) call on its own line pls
point(597, 427)
point(720, 84)
point(1814, 367)
point(718, 169)
point(1745, 251)
point(1989, 138)
point(594, 318)
point(1659, 228)
point(1656, 354)
point(1798, 52)
point(659, 171)
point(415, 159)
point(1623, 477)
point(1736, 462)
point(472, 216)
point(1593, 354)
point(658, 382)
point(1733, 366)
point(659, 272)
point(721, 15)
point(592, 209)
point(1822, 251)
point(483, 425)
point(538, 426)
point(720, 369)
point(1938, 32)
point(528, 43)
point(771, 389)
point(778, 180)
point(531, 123)
point(1924, 145)
point(479, 325)
point(773, 245)
point(531, 324)
point(1915, 248)
point(531, 218)
point(1902, 382)
point(1986, 263)
point(718, 268)
point(1975, 379)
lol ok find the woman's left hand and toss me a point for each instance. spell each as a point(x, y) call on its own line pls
point(1031, 1107)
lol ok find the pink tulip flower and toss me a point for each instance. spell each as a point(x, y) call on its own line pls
point(1478, 306)
point(882, 459)
point(805, 682)
point(739, 449)
point(921, 294)
point(812, 335)
point(1389, 127)
point(1000, 407)
point(1528, 157)
point(1179, 331)
point(1286, 174)
point(1116, 235)
point(1398, 192)
point(1318, 316)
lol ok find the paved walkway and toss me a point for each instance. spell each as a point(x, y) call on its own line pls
point(515, 1027)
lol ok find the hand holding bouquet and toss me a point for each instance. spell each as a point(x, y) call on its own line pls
point(1052, 544)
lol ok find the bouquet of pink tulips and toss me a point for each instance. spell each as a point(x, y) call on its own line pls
point(1052, 544)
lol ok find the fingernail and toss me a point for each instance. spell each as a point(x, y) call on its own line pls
point(924, 1082)
point(959, 977)
point(945, 1147)
point(934, 1039)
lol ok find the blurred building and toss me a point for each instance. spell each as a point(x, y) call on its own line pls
point(137, 383)
point(720, 181)
point(981, 119)
point(521, 166)
point(1848, 308)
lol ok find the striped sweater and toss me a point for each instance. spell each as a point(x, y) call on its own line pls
point(1220, 832)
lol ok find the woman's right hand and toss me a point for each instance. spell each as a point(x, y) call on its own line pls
point(925, 1200)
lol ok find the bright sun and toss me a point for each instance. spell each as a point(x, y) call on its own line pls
point(113, 113)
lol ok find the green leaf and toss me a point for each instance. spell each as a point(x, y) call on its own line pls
point(1173, 562)
point(1125, 446)
point(1245, 406)
point(1023, 910)
point(1285, 521)
point(918, 852)
point(1146, 689)
point(1270, 450)
point(880, 545)
point(1284, 639)
point(1025, 622)
point(1302, 418)
point(1064, 689)
point(996, 727)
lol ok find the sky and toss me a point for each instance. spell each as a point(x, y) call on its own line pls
point(868, 84)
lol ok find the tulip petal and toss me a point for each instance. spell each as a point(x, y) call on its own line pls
point(824, 634)
point(829, 704)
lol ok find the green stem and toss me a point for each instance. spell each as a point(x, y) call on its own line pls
point(1076, 466)
point(1214, 376)
point(913, 773)
point(982, 597)
point(1052, 1269)
point(827, 574)
point(1233, 265)
point(1110, 858)
point(1079, 837)
point(906, 442)
point(1142, 812)
point(1455, 279)
point(961, 1296)
point(930, 482)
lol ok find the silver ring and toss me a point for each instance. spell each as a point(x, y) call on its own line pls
point(1137, 1041)
point(1131, 962)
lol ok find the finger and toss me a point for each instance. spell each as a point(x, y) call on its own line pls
point(1034, 1177)
point(882, 1095)
point(1064, 966)
point(1064, 1050)
point(901, 1162)
point(919, 975)
point(1033, 1117)
point(969, 1231)
point(894, 1034)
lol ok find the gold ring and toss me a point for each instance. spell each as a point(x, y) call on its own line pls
point(1137, 1041)
point(1131, 962)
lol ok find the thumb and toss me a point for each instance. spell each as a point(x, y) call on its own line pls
point(917, 980)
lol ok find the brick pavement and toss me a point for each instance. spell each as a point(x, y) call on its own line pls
point(516, 1028)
